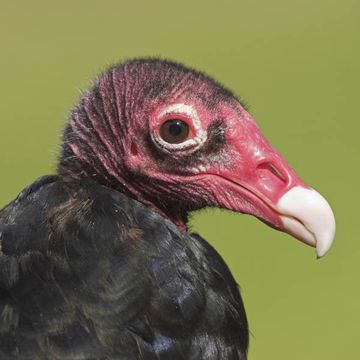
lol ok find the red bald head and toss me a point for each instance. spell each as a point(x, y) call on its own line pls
point(176, 140)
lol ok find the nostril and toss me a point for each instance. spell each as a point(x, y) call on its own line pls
point(277, 172)
point(273, 169)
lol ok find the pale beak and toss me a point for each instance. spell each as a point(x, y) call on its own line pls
point(306, 215)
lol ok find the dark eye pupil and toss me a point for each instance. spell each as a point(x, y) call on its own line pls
point(174, 131)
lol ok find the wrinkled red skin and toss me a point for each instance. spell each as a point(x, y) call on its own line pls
point(108, 138)
point(250, 179)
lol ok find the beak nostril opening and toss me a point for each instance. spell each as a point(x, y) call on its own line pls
point(273, 169)
point(277, 172)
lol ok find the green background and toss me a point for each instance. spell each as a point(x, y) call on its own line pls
point(295, 62)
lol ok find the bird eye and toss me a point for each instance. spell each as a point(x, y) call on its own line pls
point(174, 131)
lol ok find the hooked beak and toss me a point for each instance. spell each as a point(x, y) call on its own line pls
point(258, 181)
point(307, 216)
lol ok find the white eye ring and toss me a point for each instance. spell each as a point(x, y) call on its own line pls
point(195, 142)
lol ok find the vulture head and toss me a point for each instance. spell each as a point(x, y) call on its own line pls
point(176, 140)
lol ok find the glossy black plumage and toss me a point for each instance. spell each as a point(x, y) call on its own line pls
point(89, 273)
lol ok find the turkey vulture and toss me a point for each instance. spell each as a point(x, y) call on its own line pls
point(96, 261)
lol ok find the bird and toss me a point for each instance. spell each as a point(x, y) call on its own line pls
point(97, 261)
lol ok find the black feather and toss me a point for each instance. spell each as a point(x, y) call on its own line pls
point(89, 273)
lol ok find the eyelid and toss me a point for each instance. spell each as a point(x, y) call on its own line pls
point(170, 116)
point(181, 109)
point(190, 116)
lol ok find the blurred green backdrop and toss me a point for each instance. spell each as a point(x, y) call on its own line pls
point(297, 63)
